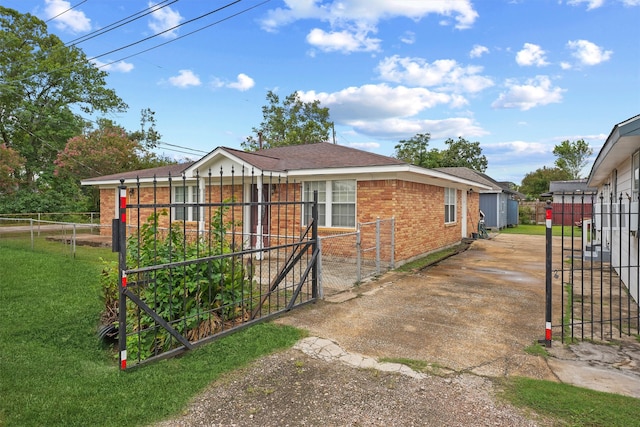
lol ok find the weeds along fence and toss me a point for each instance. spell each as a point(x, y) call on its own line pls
point(347, 259)
point(201, 258)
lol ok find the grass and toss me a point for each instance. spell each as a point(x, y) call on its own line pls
point(541, 230)
point(55, 371)
point(574, 406)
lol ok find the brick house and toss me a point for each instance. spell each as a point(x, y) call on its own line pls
point(431, 209)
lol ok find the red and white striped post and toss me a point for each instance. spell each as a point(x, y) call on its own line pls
point(548, 267)
point(122, 267)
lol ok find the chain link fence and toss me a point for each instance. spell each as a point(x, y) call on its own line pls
point(348, 259)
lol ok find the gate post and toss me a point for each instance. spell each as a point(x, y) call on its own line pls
point(314, 248)
point(122, 277)
point(548, 267)
point(378, 245)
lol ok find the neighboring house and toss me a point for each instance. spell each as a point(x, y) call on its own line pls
point(498, 203)
point(572, 201)
point(432, 209)
point(616, 175)
point(569, 191)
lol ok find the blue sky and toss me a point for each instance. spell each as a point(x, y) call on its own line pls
point(519, 76)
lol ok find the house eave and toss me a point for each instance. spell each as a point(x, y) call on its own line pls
point(625, 137)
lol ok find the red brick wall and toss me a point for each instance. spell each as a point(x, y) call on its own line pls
point(418, 210)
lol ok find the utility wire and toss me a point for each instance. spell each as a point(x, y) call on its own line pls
point(185, 35)
point(65, 11)
point(167, 30)
point(124, 21)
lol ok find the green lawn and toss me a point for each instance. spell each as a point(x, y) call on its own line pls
point(55, 372)
point(541, 230)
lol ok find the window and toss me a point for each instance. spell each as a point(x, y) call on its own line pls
point(187, 213)
point(449, 205)
point(336, 202)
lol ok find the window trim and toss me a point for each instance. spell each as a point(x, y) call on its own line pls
point(329, 202)
point(447, 206)
point(192, 197)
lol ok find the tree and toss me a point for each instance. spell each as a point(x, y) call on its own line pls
point(572, 156)
point(44, 86)
point(416, 151)
point(536, 183)
point(461, 153)
point(10, 164)
point(291, 122)
point(106, 150)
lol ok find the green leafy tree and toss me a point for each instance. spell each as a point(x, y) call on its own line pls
point(572, 156)
point(10, 165)
point(460, 152)
point(463, 153)
point(536, 183)
point(415, 150)
point(106, 150)
point(44, 86)
point(290, 122)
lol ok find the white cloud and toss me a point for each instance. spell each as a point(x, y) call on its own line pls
point(366, 146)
point(164, 18)
point(531, 54)
point(534, 93)
point(398, 128)
point(74, 21)
point(478, 51)
point(374, 102)
point(409, 37)
point(445, 74)
point(185, 79)
point(120, 66)
point(591, 4)
point(352, 21)
point(518, 148)
point(338, 12)
point(242, 83)
point(588, 53)
point(342, 41)
point(630, 3)
point(565, 65)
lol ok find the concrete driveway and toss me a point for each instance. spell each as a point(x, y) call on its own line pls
point(475, 312)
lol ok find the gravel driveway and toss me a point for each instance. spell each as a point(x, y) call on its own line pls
point(470, 317)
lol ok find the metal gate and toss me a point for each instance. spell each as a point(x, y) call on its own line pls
point(592, 268)
point(197, 260)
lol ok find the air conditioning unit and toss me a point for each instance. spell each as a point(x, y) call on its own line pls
point(613, 216)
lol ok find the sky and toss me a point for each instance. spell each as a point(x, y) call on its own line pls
point(517, 76)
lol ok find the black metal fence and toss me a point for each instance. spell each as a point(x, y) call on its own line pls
point(592, 268)
point(203, 257)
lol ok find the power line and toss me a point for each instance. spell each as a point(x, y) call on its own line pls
point(185, 35)
point(167, 30)
point(65, 11)
point(124, 21)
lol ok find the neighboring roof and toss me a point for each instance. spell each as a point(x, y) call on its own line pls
point(470, 174)
point(570, 186)
point(174, 170)
point(622, 142)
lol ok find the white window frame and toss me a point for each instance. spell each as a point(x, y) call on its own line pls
point(326, 202)
point(450, 205)
point(192, 197)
